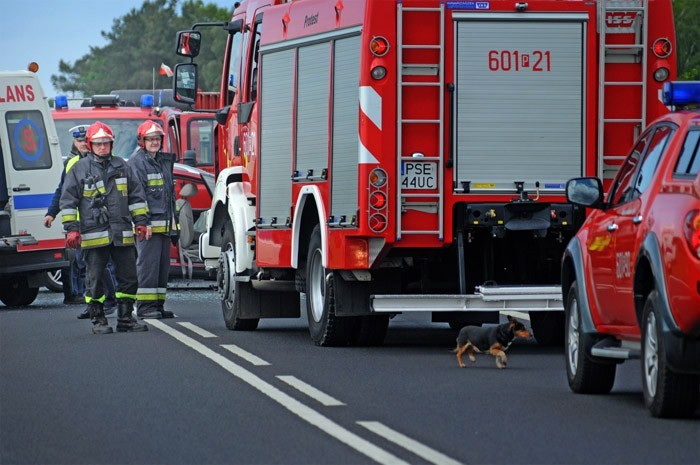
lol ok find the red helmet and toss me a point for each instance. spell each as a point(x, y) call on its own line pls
point(149, 129)
point(99, 132)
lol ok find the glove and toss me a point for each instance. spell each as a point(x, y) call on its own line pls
point(73, 240)
point(174, 240)
point(141, 232)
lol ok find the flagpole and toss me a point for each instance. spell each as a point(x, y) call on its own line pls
point(154, 82)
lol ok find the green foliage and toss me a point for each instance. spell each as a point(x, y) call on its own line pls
point(687, 18)
point(137, 45)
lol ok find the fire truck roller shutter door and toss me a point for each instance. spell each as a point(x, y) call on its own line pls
point(276, 136)
point(519, 113)
point(313, 92)
point(345, 149)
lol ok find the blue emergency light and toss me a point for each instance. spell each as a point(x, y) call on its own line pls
point(146, 101)
point(679, 94)
point(60, 102)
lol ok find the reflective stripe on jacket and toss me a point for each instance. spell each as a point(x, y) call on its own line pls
point(108, 198)
point(156, 177)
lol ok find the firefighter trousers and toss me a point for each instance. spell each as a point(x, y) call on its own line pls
point(153, 266)
point(124, 260)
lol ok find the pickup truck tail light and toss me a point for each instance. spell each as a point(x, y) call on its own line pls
point(692, 231)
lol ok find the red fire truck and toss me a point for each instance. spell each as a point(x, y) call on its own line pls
point(401, 156)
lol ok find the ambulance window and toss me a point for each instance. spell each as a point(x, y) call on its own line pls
point(4, 196)
point(689, 161)
point(253, 92)
point(234, 66)
point(29, 146)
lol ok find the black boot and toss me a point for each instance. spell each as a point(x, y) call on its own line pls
point(125, 321)
point(99, 321)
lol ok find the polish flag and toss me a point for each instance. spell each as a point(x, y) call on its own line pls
point(165, 70)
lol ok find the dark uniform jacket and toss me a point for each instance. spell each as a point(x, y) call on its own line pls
point(108, 199)
point(54, 209)
point(156, 175)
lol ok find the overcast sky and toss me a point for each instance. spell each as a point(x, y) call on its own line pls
point(47, 31)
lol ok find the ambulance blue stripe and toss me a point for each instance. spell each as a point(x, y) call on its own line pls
point(26, 202)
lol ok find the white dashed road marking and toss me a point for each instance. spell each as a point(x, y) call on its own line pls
point(254, 359)
point(311, 391)
point(409, 444)
point(196, 329)
point(307, 414)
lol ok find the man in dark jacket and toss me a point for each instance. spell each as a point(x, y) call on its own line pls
point(73, 276)
point(100, 200)
point(154, 171)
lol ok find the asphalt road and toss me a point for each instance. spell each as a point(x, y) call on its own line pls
point(190, 391)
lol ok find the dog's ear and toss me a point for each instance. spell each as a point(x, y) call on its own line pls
point(510, 319)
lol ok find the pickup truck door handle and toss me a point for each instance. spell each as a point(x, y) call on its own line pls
point(21, 188)
point(637, 219)
point(612, 227)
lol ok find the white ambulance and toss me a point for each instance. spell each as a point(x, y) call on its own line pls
point(29, 174)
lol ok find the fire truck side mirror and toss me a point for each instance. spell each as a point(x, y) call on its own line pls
point(188, 43)
point(185, 83)
point(244, 112)
point(222, 115)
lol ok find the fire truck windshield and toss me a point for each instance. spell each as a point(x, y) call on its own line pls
point(125, 130)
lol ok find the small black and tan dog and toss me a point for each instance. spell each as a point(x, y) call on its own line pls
point(492, 339)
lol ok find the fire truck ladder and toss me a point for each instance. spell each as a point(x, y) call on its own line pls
point(409, 68)
point(632, 54)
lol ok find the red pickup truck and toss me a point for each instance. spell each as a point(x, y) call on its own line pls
point(631, 275)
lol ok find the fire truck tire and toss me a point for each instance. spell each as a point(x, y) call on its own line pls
point(666, 393)
point(230, 290)
point(15, 292)
point(548, 327)
point(325, 328)
point(370, 330)
point(585, 375)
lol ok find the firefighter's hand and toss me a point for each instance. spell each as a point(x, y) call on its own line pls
point(143, 232)
point(73, 240)
point(48, 219)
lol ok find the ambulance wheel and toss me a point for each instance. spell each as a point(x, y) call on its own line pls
point(548, 327)
point(325, 327)
point(584, 374)
point(15, 292)
point(229, 289)
point(666, 393)
point(54, 281)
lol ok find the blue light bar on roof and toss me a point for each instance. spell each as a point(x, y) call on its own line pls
point(61, 101)
point(146, 101)
point(681, 93)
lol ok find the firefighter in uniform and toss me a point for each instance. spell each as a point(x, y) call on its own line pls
point(154, 171)
point(100, 200)
point(74, 275)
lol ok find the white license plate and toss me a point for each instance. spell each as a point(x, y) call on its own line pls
point(419, 175)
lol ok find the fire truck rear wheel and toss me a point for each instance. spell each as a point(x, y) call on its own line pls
point(325, 327)
point(229, 289)
point(15, 292)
